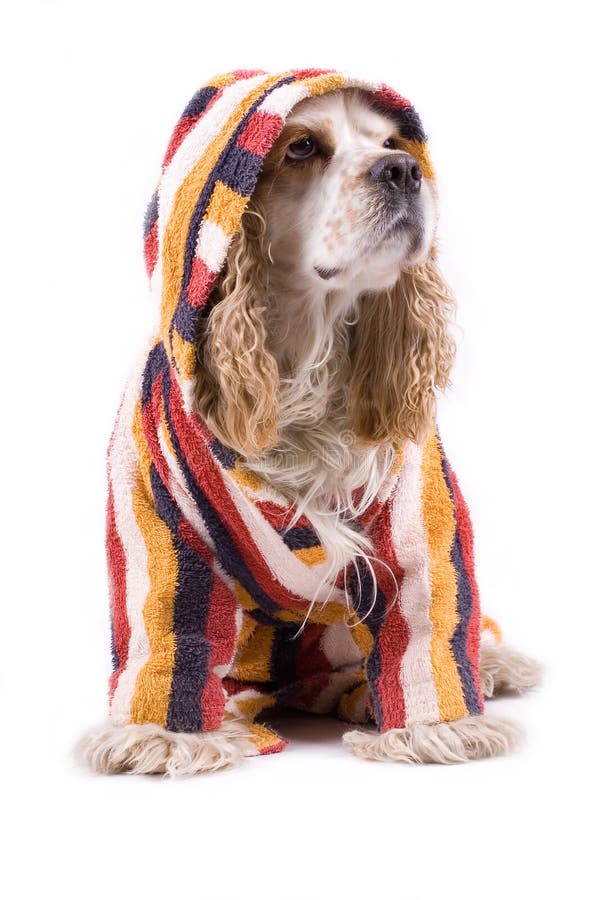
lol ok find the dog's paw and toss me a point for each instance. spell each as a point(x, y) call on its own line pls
point(506, 671)
point(474, 737)
point(150, 749)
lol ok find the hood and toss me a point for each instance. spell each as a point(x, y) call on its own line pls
point(209, 173)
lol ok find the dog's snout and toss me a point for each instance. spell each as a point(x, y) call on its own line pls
point(399, 171)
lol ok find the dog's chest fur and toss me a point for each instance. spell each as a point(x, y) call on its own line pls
point(317, 462)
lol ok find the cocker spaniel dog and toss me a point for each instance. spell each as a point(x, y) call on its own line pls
point(284, 529)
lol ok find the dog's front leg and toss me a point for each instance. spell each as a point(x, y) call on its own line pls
point(423, 625)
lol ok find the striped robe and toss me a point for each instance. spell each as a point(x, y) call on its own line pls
point(209, 583)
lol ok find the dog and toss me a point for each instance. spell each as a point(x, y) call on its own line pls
point(284, 529)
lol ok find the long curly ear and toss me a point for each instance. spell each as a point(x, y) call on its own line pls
point(237, 378)
point(402, 351)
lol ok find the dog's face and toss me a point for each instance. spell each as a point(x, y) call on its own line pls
point(342, 219)
point(343, 202)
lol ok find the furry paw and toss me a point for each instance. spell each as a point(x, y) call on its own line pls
point(505, 671)
point(473, 737)
point(151, 749)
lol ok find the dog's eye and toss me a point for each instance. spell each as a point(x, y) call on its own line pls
point(302, 149)
point(390, 143)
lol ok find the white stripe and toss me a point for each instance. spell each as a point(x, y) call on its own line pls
point(412, 552)
point(123, 463)
point(212, 244)
point(280, 101)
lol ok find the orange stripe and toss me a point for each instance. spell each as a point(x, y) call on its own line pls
point(438, 517)
point(153, 685)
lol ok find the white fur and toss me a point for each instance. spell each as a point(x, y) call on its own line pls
point(474, 737)
point(504, 670)
point(152, 750)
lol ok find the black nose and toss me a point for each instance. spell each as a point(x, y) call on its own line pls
point(400, 171)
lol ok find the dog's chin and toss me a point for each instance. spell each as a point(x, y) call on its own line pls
point(398, 241)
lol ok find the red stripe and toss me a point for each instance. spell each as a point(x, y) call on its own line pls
point(394, 633)
point(465, 533)
point(310, 659)
point(303, 74)
point(390, 99)
point(183, 128)
point(151, 419)
point(201, 283)
point(280, 516)
point(151, 249)
point(273, 748)
point(117, 569)
point(220, 631)
point(260, 132)
point(241, 74)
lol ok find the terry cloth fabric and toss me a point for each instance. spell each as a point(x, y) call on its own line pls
point(209, 585)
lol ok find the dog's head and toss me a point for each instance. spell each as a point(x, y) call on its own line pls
point(343, 213)
point(344, 201)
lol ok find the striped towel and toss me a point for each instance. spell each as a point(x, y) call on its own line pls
point(209, 583)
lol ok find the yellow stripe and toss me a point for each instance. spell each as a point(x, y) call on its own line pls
point(185, 354)
point(421, 153)
point(245, 478)
point(321, 84)
point(173, 250)
point(226, 207)
point(250, 707)
point(252, 661)
point(489, 624)
point(153, 685)
point(352, 704)
point(262, 737)
point(246, 601)
point(220, 81)
point(439, 524)
point(311, 556)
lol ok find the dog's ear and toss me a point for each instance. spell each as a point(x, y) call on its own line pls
point(402, 351)
point(237, 378)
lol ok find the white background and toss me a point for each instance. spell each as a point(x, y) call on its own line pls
point(90, 93)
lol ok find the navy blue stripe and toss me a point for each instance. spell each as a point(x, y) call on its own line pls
point(225, 455)
point(151, 214)
point(113, 647)
point(283, 654)
point(300, 538)
point(361, 591)
point(185, 320)
point(155, 364)
point(410, 125)
point(464, 601)
point(221, 166)
point(228, 553)
point(239, 170)
point(199, 102)
point(191, 605)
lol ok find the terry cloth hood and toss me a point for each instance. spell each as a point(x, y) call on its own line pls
point(209, 173)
